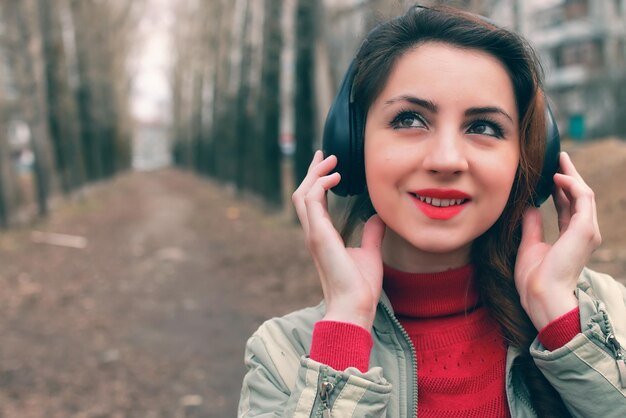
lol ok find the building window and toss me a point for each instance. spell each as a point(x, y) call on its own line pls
point(576, 9)
point(586, 53)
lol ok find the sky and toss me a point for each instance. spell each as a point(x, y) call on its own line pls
point(151, 88)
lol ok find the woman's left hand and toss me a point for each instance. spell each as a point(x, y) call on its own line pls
point(546, 275)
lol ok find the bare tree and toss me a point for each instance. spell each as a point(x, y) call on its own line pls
point(64, 131)
point(102, 36)
point(90, 133)
point(224, 119)
point(66, 69)
point(244, 105)
point(270, 186)
point(5, 165)
point(305, 103)
point(25, 59)
point(176, 84)
point(252, 159)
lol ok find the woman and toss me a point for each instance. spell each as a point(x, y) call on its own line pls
point(452, 306)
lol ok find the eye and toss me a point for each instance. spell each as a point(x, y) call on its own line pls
point(486, 127)
point(407, 119)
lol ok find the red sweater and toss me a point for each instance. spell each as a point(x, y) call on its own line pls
point(461, 353)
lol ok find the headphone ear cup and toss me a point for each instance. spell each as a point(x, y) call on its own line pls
point(545, 186)
point(342, 137)
point(357, 140)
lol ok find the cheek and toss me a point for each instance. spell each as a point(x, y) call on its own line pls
point(376, 161)
point(501, 174)
point(385, 166)
point(380, 177)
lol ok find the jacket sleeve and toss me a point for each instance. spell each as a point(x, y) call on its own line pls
point(589, 372)
point(281, 381)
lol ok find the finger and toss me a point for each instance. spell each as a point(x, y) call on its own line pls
point(317, 168)
point(324, 167)
point(315, 199)
point(317, 157)
point(320, 225)
point(298, 202)
point(583, 233)
point(566, 166)
point(532, 228)
point(562, 206)
point(373, 233)
point(579, 195)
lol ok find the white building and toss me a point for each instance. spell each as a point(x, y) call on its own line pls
point(582, 44)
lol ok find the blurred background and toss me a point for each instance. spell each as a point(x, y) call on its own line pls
point(148, 151)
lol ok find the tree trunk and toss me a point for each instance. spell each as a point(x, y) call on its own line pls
point(253, 160)
point(271, 186)
point(90, 132)
point(196, 117)
point(244, 104)
point(26, 58)
point(223, 117)
point(61, 105)
point(305, 103)
point(5, 166)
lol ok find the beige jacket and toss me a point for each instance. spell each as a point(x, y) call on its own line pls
point(589, 372)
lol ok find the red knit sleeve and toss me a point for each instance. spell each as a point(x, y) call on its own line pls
point(560, 331)
point(341, 345)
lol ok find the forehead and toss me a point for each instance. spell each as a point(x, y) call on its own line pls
point(448, 74)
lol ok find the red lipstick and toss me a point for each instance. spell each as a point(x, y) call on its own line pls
point(440, 204)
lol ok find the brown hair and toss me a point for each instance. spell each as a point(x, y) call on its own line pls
point(493, 254)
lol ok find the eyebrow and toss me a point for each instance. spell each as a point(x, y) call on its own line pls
point(427, 104)
point(474, 111)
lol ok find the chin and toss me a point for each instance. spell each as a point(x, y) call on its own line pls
point(439, 247)
point(433, 242)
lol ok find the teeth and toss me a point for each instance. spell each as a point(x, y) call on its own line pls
point(440, 202)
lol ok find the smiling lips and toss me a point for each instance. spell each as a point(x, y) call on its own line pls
point(440, 204)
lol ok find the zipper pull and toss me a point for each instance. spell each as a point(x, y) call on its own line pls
point(325, 390)
point(621, 361)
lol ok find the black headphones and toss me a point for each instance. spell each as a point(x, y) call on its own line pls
point(344, 137)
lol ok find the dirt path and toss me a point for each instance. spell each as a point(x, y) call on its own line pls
point(150, 319)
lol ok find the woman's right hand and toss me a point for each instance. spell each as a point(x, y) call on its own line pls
point(351, 278)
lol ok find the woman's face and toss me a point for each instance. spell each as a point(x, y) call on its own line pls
point(441, 149)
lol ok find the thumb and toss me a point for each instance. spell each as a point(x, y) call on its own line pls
point(532, 228)
point(373, 233)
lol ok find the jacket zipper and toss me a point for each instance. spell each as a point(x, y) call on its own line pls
point(325, 389)
point(615, 346)
point(612, 342)
point(413, 356)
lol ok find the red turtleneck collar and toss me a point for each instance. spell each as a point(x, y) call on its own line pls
point(431, 295)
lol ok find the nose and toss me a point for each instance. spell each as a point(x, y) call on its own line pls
point(446, 154)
